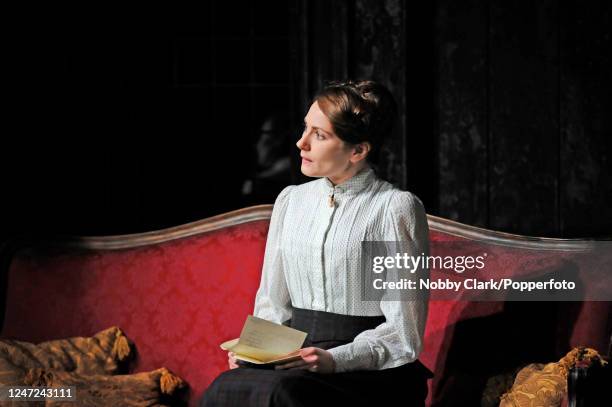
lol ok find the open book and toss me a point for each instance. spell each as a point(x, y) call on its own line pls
point(263, 342)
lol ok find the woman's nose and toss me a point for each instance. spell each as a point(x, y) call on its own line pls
point(302, 144)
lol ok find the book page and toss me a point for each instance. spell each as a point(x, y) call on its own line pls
point(262, 341)
point(270, 337)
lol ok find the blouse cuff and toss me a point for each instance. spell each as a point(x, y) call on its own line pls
point(352, 356)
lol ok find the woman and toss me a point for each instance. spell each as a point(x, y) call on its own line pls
point(357, 352)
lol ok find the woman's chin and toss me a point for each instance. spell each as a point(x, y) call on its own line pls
point(307, 171)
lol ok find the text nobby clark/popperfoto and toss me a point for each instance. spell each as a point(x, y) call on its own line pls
point(473, 284)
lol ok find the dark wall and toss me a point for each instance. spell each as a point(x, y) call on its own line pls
point(523, 102)
point(137, 118)
point(122, 121)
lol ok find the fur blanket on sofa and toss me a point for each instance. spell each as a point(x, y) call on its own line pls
point(93, 365)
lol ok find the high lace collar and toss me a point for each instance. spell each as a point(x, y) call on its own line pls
point(352, 185)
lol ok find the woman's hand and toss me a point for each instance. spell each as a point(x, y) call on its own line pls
point(233, 364)
point(313, 359)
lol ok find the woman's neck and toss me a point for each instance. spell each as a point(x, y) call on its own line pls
point(348, 174)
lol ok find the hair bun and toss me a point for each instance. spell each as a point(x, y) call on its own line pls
point(360, 111)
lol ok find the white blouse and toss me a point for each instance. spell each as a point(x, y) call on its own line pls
point(313, 256)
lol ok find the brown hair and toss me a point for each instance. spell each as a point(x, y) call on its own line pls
point(361, 111)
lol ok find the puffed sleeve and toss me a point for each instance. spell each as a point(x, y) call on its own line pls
point(399, 339)
point(272, 301)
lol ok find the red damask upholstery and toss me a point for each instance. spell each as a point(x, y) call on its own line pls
point(179, 298)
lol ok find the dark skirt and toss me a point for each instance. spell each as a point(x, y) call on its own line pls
point(404, 385)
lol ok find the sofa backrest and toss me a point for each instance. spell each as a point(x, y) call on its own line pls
point(180, 292)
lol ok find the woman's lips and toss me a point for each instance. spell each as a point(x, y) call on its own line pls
point(306, 160)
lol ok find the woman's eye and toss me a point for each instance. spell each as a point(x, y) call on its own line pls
point(319, 135)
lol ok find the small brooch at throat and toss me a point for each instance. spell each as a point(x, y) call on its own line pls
point(331, 201)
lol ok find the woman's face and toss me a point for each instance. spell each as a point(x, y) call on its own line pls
point(323, 153)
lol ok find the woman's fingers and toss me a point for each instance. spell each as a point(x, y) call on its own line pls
point(231, 359)
point(308, 351)
point(310, 360)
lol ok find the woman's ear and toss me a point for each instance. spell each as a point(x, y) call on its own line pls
point(361, 151)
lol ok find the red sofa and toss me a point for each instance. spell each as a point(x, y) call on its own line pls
point(180, 292)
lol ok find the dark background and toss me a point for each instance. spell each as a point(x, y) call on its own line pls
point(124, 120)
